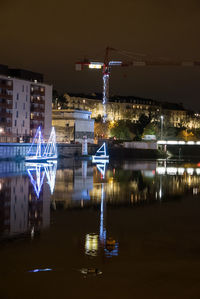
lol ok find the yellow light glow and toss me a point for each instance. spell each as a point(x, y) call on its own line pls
point(95, 66)
point(91, 244)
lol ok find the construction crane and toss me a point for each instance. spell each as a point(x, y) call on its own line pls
point(137, 60)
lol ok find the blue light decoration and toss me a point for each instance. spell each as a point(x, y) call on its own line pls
point(102, 230)
point(37, 172)
point(39, 150)
point(101, 155)
point(40, 270)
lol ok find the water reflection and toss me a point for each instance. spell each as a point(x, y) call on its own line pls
point(37, 172)
point(109, 245)
point(23, 211)
point(28, 191)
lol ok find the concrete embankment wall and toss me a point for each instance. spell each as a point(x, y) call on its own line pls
point(140, 145)
point(19, 150)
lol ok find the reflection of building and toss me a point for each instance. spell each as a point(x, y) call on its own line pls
point(20, 210)
point(73, 125)
point(73, 185)
point(25, 103)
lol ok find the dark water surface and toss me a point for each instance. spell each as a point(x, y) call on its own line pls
point(78, 230)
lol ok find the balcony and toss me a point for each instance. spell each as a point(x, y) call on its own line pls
point(5, 124)
point(37, 109)
point(6, 105)
point(36, 101)
point(5, 85)
point(5, 114)
point(6, 96)
point(38, 117)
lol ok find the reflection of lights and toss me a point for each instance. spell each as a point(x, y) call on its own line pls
point(40, 270)
point(195, 191)
point(91, 244)
point(171, 170)
point(160, 193)
point(102, 168)
point(190, 171)
point(160, 170)
point(177, 170)
point(198, 171)
point(111, 251)
point(181, 170)
point(37, 171)
point(50, 171)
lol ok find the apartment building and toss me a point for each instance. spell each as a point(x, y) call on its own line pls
point(118, 107)
point(25, 104)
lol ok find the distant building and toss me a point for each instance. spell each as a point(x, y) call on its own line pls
point(118, 107)
point(73, 125)
point(25, 104)
point(130, 108)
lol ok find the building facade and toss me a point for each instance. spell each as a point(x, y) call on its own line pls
point(73, 125)
point(129, 108)
point(25, 104)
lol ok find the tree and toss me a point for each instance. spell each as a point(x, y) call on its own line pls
point(151, 129)
point(101, 129)
point(121, 131)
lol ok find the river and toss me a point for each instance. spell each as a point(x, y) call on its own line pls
point(74, 229)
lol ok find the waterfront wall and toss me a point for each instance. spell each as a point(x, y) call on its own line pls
point(19, 150)
point(140, 145)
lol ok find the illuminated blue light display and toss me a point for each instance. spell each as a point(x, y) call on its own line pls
point(101, 155)
point(41, 151)
point(40, 270)
point(37, 172)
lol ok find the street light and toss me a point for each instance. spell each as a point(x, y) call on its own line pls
point(161, 129)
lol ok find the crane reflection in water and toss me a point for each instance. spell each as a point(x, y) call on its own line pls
point(92, 241)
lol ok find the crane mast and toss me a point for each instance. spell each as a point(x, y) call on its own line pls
point(138, 61)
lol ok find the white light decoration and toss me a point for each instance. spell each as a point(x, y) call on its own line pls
point(190, 142)
point(181, 142)
point(171, 170)
point(37, 172)
point(160, 170)
point(101, 155)
point(190, 171)
point(172, 142)
point(161, 142)
point(41, 151)
point(181, 170)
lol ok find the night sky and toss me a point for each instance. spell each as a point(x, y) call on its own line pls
point(49, 37)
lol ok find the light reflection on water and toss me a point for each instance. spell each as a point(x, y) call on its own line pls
point(28, 192)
